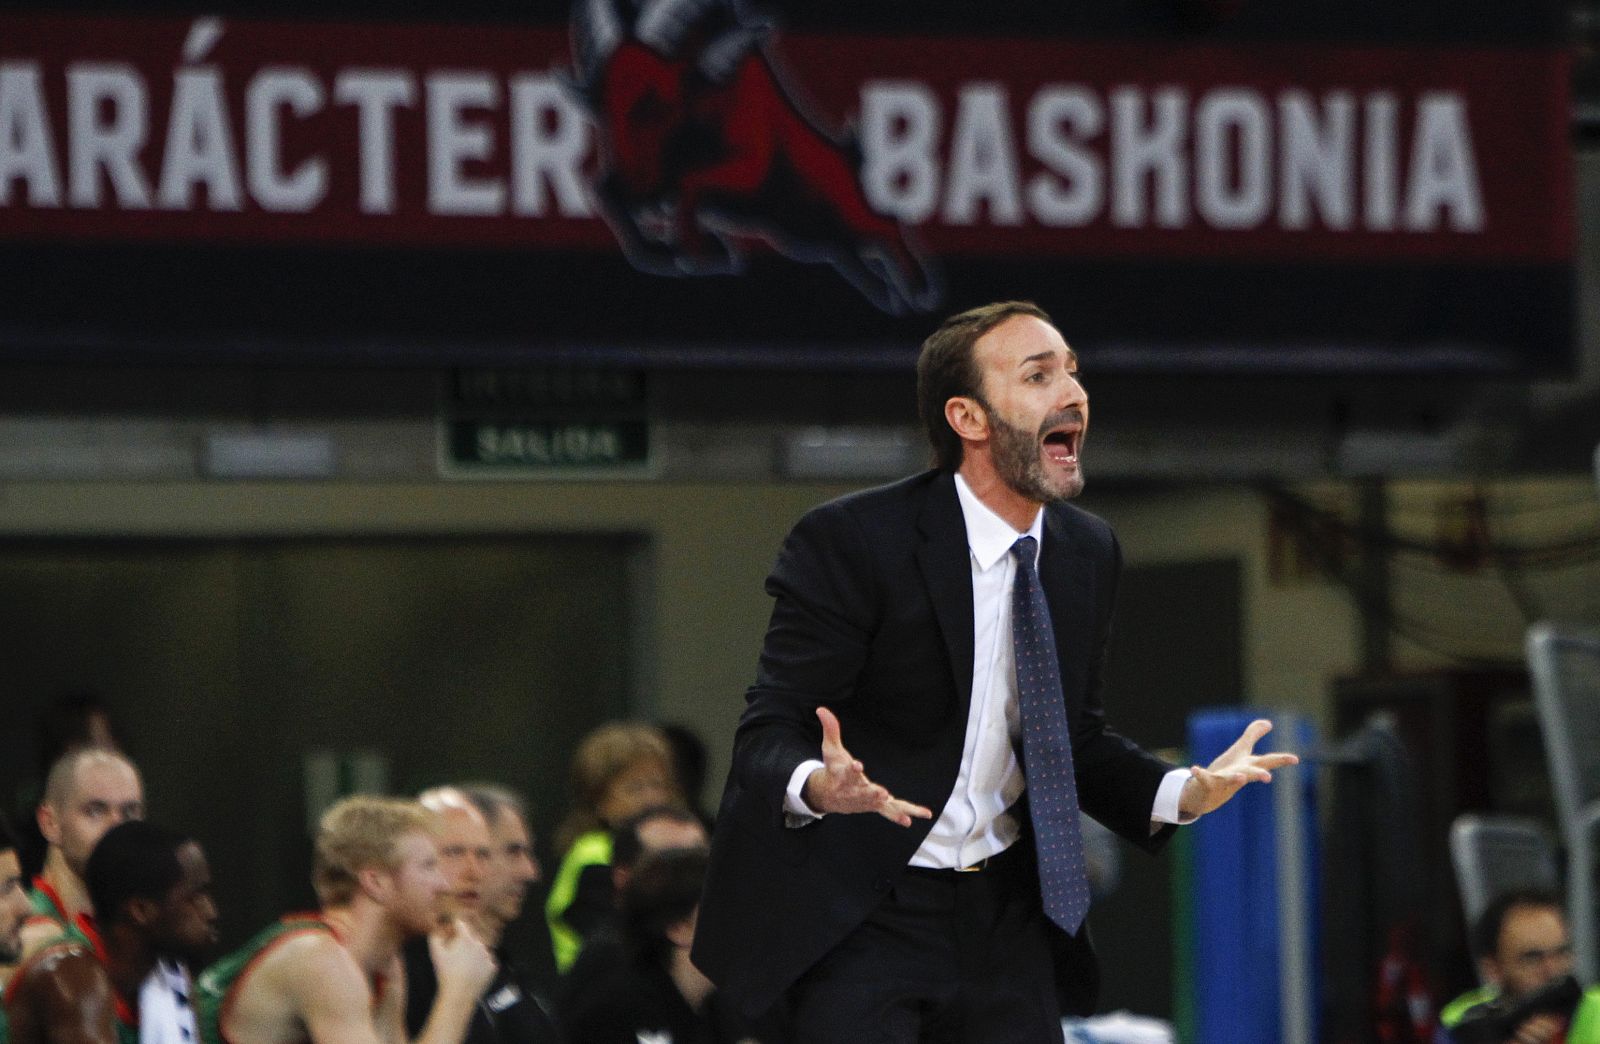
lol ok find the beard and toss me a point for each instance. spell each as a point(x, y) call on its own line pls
point(1019, 464)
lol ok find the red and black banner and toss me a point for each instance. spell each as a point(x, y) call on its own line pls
point(695, 181)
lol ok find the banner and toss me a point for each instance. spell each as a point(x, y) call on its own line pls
point(689, 181)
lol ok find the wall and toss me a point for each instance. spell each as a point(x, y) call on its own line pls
point(710, 549)
point(1296, 636)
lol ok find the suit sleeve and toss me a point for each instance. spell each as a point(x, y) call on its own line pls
point(826, 605)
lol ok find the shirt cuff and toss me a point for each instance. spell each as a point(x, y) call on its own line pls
point(1166, 807)
point(795, 810)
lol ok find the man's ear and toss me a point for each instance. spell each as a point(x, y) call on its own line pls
point(49, 825)
point(376, 883)
point(1489, 970)
point(143, 911)
point(967, 418)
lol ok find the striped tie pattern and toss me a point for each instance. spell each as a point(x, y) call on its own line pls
point(1047, 749)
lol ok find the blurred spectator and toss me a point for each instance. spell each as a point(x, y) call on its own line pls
point(480, 890)
point(73, 721)
point(619, 770)
point(88, 791)
point(329, 976)
point(656, 993)
point(689, 761)
point(124, 977)
point(14, 908)
point(1523, 946)
point(664, 828)
point(524, 934)
point(513, 866)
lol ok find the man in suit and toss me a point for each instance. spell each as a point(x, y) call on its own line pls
point(952, 626)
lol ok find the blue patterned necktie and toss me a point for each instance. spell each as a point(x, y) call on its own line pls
point(1047, 749)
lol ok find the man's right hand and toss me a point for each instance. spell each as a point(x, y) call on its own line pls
point(460, 959)
point(841, 784)
point(1541, 1029)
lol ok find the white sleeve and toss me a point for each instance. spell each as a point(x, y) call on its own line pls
point(1166, 806)
point(795, 809)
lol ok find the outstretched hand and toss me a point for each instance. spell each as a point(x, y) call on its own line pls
point(1210, 788)
point(841, 785)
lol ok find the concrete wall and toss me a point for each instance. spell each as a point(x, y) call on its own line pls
point(712, 544)
point(1296, 635)
point(711, 547)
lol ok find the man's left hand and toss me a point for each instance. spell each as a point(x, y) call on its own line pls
point(1208, 789)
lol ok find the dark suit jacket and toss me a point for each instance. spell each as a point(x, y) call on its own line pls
point(873, 618)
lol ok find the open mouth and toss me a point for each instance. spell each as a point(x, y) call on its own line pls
point(1061, 445)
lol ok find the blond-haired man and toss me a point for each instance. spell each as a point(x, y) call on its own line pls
point(335, 977)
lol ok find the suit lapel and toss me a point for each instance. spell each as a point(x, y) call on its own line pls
point(1065, 571)
point(945, 561)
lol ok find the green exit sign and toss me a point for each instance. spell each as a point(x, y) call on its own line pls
point(554, 445)
point(551, 423)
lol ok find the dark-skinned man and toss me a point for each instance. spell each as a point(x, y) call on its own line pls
point(123, 978)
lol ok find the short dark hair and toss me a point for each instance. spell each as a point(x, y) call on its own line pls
point(946, 370)
point(134, 860)
point(626, 844)
point(8, 836)
point(492, 801)
point(689, 758)
point(1486, 933)
point(663, 890)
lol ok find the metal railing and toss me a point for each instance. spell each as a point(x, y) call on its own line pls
point(1494, 854)
point(1565, 667)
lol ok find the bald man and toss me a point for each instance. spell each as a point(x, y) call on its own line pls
point(88, 792)
point(484, 888)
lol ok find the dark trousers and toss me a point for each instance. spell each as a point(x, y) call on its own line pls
point(948, 957)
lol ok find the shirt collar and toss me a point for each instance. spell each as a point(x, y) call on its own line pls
point(988, 535)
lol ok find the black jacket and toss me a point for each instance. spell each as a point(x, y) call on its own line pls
point(873, 618)
point(511, 1011)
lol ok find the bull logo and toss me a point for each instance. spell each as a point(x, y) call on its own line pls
point(702, 150)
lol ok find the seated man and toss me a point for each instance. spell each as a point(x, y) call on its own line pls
point(88, 792)
point(485, 884)
point(523, 942)
point(335, 977)
point(123, 977)
point(1523, 945)
point(664, 828)
point(656, 993)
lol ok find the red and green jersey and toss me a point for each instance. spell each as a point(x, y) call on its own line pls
point(217, 986)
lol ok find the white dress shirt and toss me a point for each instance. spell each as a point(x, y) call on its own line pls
point(974, 823)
